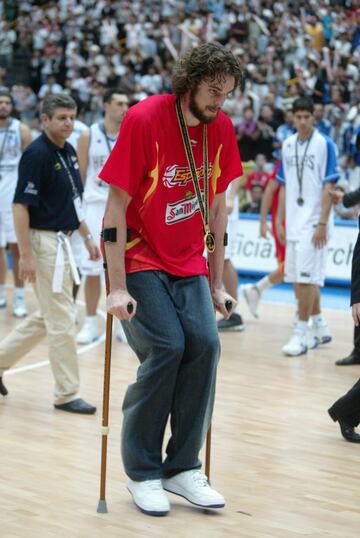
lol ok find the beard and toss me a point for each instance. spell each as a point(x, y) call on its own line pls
point(197, 112)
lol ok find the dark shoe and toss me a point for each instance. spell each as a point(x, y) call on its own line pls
point(234, 323)
point(347, 431)
point(77, 406)
point(3, 389)
point(349, 360)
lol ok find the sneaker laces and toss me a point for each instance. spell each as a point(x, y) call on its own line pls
point(200, 479)
point(154, 485)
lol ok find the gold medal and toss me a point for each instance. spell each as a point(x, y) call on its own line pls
point(209, 241)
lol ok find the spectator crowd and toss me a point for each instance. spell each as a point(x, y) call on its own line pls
point(287, 49)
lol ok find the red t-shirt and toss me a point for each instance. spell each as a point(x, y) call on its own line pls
point(149, 162)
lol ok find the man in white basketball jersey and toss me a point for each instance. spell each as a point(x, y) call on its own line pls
point(308, 170)
point(94, 147)
point(14, 137)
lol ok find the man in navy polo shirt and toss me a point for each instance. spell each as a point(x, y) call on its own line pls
point(47, 209)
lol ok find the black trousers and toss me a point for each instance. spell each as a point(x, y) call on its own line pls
point(347, 408)
point(356, 350)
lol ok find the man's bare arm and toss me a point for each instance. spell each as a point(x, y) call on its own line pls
point(266, 202)
point(218, 223)
point(82, 150)
point(26, 136)
point(115, 217)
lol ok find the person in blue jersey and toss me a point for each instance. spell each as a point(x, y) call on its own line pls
point(322, 124)
point(308, 170)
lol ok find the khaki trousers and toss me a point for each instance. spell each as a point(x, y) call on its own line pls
point(55, 318)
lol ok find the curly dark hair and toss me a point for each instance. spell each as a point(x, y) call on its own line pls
point(207, 62)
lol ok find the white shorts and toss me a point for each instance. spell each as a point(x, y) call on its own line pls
point(7, 228)
point(304, 263)
point(94, 214)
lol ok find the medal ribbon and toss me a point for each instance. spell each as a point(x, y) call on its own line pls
point(203, 201)
point(300, 173)
point(203, 204)
point(103, 130)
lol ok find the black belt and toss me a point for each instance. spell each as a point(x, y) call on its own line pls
point(55, 230)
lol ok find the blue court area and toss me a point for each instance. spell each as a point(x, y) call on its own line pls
point(334, 297)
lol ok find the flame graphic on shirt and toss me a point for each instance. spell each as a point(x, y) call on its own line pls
point(216, 170)
point(154, 174)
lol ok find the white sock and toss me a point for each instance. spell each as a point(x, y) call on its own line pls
point(19, 293)
point(91, 320)
point(2, 290)
point(318, 320)
point(301, 326)
point(263, 284)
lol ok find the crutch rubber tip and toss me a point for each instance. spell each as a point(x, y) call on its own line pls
point(129, 308)
point(102, 507)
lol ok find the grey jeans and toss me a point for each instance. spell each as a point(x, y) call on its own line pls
point(174, 335)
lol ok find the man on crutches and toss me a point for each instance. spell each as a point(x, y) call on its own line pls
point(168, 173)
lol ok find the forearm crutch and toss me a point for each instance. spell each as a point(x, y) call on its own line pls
point(208, 453)
point(102, 507)
point(228, 306)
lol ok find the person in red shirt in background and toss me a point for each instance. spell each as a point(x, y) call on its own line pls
point(168, 172)
point(259, 176)
point(270, 200)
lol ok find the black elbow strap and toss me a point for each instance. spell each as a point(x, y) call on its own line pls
point(225, 239)
point(109, 235)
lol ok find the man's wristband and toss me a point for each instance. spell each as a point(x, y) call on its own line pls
point(322, 223)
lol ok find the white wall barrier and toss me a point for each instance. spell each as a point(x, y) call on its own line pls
point(253, 255)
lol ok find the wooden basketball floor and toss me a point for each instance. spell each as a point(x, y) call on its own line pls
point(277, 457)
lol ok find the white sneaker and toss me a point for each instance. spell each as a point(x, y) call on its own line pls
point(297, 345)
point(149, 497)
point(322, 333)
point(19, 308)
point(194, 487)
point(252, 297)
point(312, 341)
point(88, 333)
point(120, 334)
